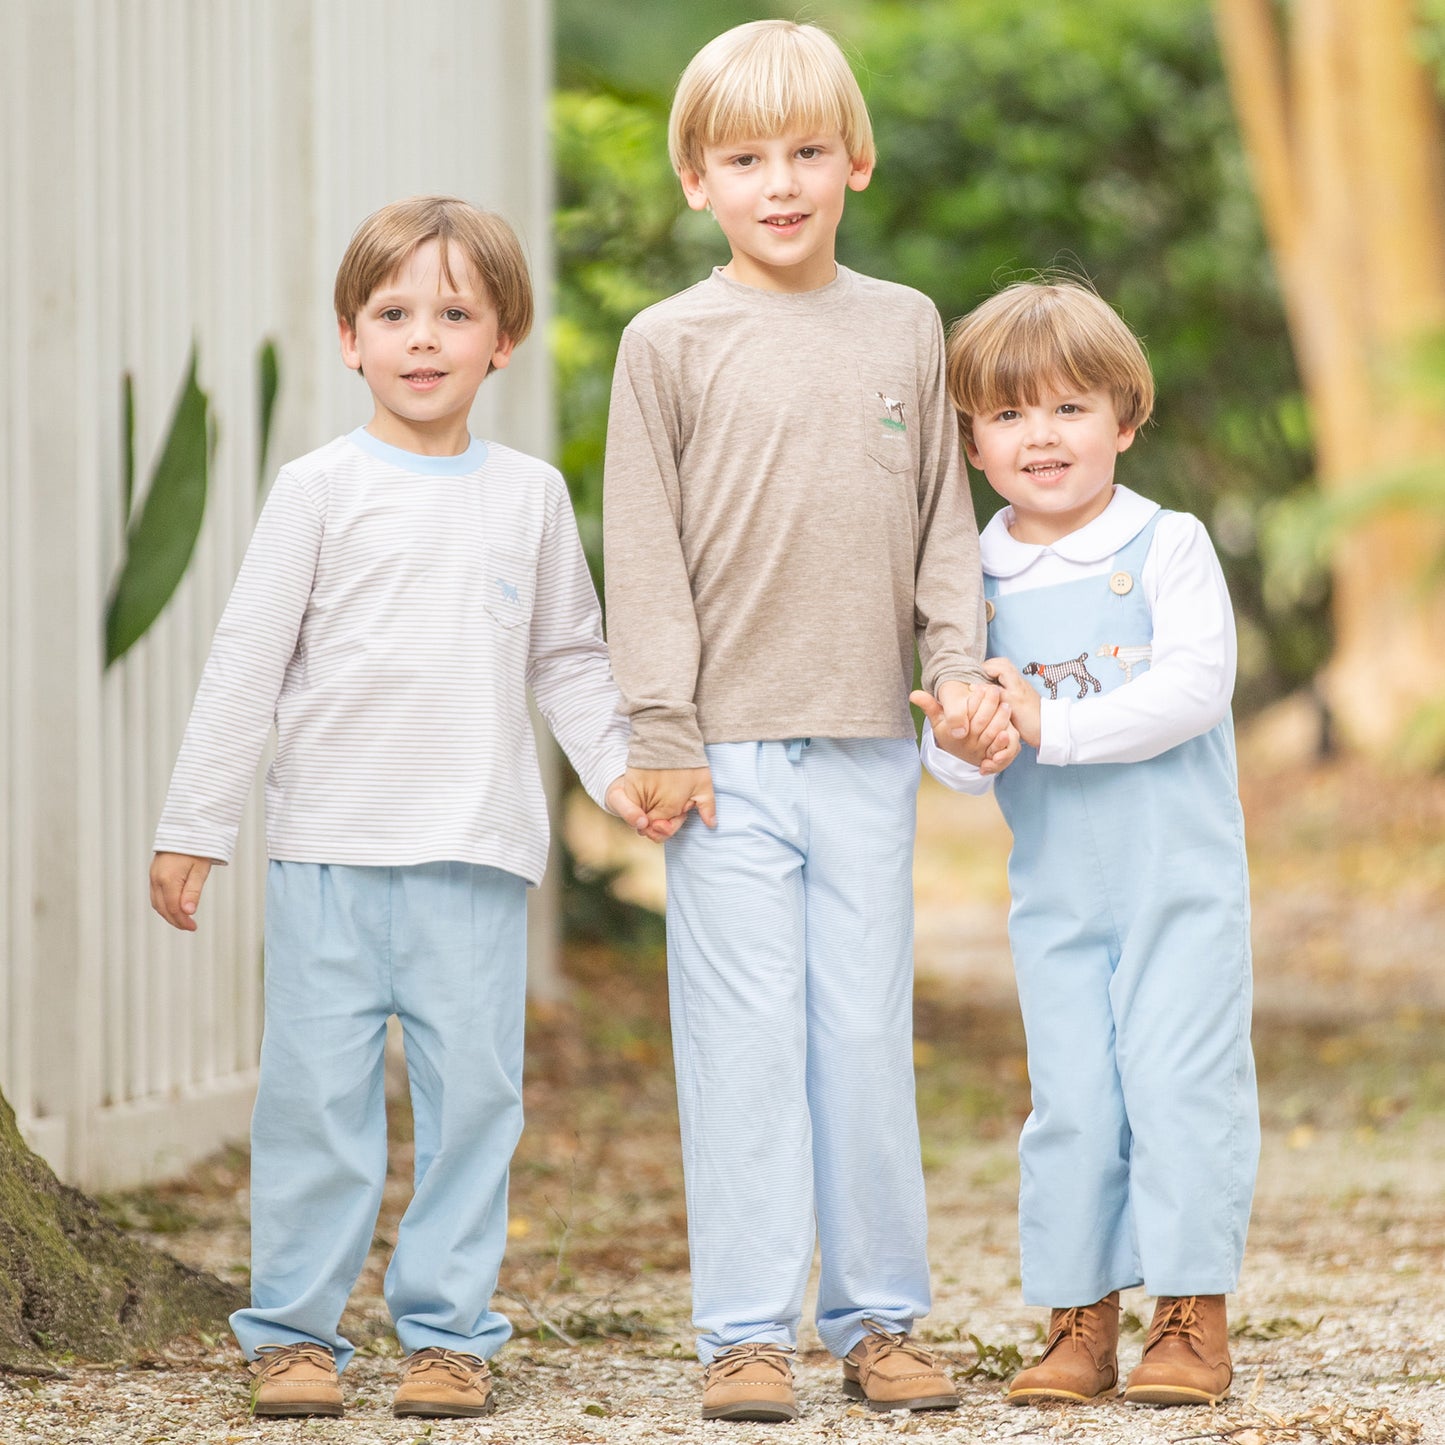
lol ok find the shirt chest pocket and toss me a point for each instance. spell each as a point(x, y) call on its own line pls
point(508, 582)
point(888, 423)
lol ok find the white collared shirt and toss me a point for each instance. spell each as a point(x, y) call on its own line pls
point(1187, 687)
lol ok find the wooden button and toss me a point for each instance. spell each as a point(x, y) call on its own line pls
point(1121, 583)
point(988, 610)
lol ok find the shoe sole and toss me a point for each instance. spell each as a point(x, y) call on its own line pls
point(1172, 1395)
point(438, 1411)
point(854, 1391)
point(766, 1411)
point(290, 1409)
point(1063, 1397)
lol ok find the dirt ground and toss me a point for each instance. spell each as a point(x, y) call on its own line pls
point(1339, 1328)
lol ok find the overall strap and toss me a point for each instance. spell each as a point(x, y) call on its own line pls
point(1132, 555)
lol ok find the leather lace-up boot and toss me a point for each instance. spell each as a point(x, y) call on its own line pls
point(1080, 1358)
point(750, 1382)
point(295, 1380)
point(1186, 1356)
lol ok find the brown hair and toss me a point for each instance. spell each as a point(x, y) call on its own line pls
point(388, 236)
point(1034, 334)
point(763, 79)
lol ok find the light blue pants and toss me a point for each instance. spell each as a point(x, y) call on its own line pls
point(790, 965)
point(442, 946)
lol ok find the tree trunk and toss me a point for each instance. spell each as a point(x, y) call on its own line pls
point(73, 1283)
point(1344, 137)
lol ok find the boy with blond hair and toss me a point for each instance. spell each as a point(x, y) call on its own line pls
point(1110, 630)
point(405, 586)
point(784, 516)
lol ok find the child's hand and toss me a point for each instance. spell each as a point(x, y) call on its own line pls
point(176, 883)
point(667, 795)
point(987, 739)
point(621, 802)
point(1022, 699)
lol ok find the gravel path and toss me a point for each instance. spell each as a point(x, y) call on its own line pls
point(1339, 1325)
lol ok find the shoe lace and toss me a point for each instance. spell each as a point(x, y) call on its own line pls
point(277, 1359)
point(1180, 1321)
point(879, 1342)
point(1078, 1322)
point(464, 1367)
point(727, 1363)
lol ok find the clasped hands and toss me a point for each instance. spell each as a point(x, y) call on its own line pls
point(983, 723)
point(973, 721)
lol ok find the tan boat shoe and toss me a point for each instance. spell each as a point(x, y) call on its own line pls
point(1080, 1359)
point(440, 1384)
point(295, 1380)
point(1186, 1355)
point(750, 1382)
point(894, 1372)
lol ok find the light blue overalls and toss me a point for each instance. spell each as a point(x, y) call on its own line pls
point(1130, 937)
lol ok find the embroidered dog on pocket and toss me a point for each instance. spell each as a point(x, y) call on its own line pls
point(1127, 657)
point(1053, 673)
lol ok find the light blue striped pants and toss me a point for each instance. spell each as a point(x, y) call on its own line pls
point(790, 965)
point(442, 946)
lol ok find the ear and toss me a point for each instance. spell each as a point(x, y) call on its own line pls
point(349, 352)
point(859, 174)
point(693, 189)
point(974, 459)
point(502, 353)
point(1126, 438)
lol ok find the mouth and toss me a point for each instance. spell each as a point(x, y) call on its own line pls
point(1049, 471)
point(785, 223)
point(424, 379)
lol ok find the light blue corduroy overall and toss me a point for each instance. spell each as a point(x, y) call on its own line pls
point(1130, 937)
point(790, 970)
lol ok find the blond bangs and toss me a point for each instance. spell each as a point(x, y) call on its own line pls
point(765, 79)
point(1039, 337)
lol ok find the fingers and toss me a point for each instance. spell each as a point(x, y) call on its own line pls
point(626, 807)
point(176, 882)
point(929, 706)
point(702, 799)
point(1003, 671)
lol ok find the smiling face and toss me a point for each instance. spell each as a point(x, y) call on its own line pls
point(425, 344)
point(1052, 460)
point(779, 202)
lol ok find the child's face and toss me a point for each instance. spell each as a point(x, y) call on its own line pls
point(424, 346)
point(1053, 461)
point(779, 202)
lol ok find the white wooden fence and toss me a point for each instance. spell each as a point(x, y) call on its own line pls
point(179, 172)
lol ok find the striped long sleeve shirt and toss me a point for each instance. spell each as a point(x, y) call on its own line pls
point(389, 616)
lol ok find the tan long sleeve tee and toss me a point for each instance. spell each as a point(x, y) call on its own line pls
point(785, 513)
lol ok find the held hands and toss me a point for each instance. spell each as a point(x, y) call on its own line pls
point(972, 722)
point(1022, 700)
point(655, 801)
point(176, 883)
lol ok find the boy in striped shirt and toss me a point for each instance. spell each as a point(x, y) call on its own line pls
point(405, 586)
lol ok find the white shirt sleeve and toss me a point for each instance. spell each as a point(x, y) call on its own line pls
point(568, 670)
point(236, 702)
point(1187, 686)
point(953, 772)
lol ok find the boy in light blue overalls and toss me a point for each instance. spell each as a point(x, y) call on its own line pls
point(1111, 634)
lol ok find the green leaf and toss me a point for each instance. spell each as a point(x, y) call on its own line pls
point(268, 383)
point(159, 542)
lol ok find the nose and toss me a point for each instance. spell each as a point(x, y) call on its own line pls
point(1042, 426)
point(422, 334)
point(781, 179)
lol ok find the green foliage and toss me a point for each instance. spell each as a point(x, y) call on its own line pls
point(268, 384)
point(160, 541)
point(1012, 137)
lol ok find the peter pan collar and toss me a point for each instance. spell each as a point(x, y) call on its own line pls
point(1120, 522)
